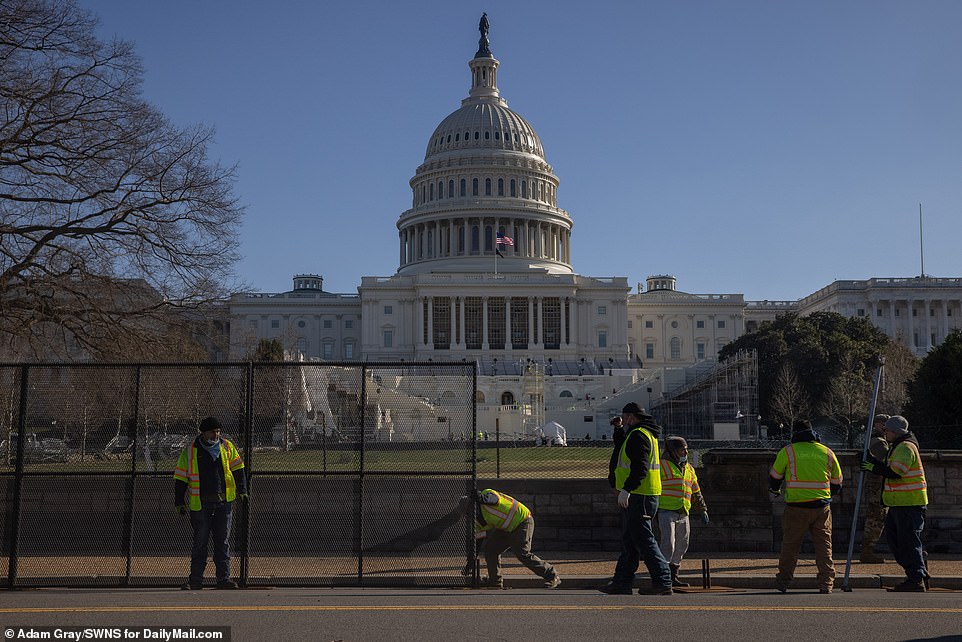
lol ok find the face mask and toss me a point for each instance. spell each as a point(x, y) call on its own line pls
point(682, 460)
point(210, 443)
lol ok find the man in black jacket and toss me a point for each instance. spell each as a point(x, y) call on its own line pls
point(633, 472)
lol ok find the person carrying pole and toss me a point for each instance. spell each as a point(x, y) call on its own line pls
point(905, 494)
point(875, 511)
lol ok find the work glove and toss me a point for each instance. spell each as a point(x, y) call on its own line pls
point(243, 497)
point(868, 466)
point(623, 498)
point(181, 510)
point(774, 493)
point(704, 518)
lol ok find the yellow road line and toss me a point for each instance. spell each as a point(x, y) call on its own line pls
point(469, 607)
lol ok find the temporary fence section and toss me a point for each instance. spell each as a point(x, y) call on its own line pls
point(356, 471)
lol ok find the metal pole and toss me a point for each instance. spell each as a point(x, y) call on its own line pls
point(861, 476)
point(132, 490)
point(359, 533)
point(245, 511)
point(18, 478)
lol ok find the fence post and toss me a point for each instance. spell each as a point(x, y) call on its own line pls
point(132, 488)
point(359, 532)
point(18, 477)
point(245, 510)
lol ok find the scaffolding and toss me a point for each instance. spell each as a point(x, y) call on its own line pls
point(717, 401)
point(532, 387)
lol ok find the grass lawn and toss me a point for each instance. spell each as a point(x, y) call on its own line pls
point(509, 462)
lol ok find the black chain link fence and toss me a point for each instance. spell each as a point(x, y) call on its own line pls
point(355, 470)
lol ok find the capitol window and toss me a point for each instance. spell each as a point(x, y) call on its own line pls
point(497, 135)
point(500, 187)
point(474, 187)
point(464, 187)
point(388, 310)
point(477, 135)
point(388, 338)
point(451, 189)
point(487, 187)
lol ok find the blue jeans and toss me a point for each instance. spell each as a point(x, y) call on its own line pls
point(212, 521)
point(903, 532)
point(638, 542)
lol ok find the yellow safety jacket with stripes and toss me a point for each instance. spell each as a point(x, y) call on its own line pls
point(910, 488)
point(651, 484)
point(809, 469)
point(187, 471)
point(506, 515)
point(677, 486)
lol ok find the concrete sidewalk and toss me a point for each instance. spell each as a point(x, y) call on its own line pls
point(731, 570)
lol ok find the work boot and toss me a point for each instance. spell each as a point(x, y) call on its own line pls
point(552, 580)
point(781, 585)
point(909, 586)
point(492, 583)
point(655, 590)
point(868, 556)
point(675, 582)
point(191, 586)
point(227, 584)
point(611, 588)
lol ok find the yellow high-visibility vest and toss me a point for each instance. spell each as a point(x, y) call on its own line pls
point(506, 515)
point(809, 469)
point(651, 484)
point(187, 471)
point(677, 486)
point(910, 489)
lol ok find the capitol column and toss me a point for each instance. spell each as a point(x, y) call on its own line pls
point(462, 342)
point(418, 324)
point(507, 323)
point(927, 310)
point(484, 324)
point(430, 323)
point(913, 344)
point(564, 322)
point(530, 321)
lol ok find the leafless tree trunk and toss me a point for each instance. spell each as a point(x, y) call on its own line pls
point(112, 219)
point(900, 366)
point(789, 400)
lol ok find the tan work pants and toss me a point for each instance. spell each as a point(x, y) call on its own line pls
point(796, 522)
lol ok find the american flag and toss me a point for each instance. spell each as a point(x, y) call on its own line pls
point(504, 240)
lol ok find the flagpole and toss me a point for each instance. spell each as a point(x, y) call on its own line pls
point(496, 259)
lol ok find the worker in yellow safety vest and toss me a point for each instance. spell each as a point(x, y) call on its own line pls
point(502, 523)
point(679, 489)
point(635, 477)
point(812, 476)
point(906, 496)
point(208, 478)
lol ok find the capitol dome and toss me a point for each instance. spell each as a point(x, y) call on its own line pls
point(484, 191)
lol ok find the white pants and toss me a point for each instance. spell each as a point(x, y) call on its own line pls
point(675, 530)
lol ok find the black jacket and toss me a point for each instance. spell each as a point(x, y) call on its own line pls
point(638, 450)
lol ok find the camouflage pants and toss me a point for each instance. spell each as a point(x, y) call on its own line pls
point(873, 513)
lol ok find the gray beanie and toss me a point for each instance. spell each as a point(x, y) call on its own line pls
point(897, 424)
point(674, 441)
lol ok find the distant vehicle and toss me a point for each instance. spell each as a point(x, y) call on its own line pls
point(35, 449)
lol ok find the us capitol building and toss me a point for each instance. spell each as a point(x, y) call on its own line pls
point(485, 274)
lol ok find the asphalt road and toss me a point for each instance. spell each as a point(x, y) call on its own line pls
point(325, 615)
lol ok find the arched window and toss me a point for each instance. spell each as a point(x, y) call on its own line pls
point(451, 189)
point(475, 238)
point(457, 137)
point(514, 191)
point(500, 187)
point(474, 187)
point(430, 243)
point(566, 393)
point(477, 135)
point(479, 396)
point(488, 240)
point(464, 187)
point(507, 399)
point(440, 190)
point(487, 135)
point(487, 187)
point(460, 239)
point(432, 192)
point(524, 189)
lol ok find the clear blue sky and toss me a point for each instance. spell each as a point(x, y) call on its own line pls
point(761, 147)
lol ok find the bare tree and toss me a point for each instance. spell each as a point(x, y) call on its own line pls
point(900, 366)
point(789, 399)
point(848, 396)
point(111, 217)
